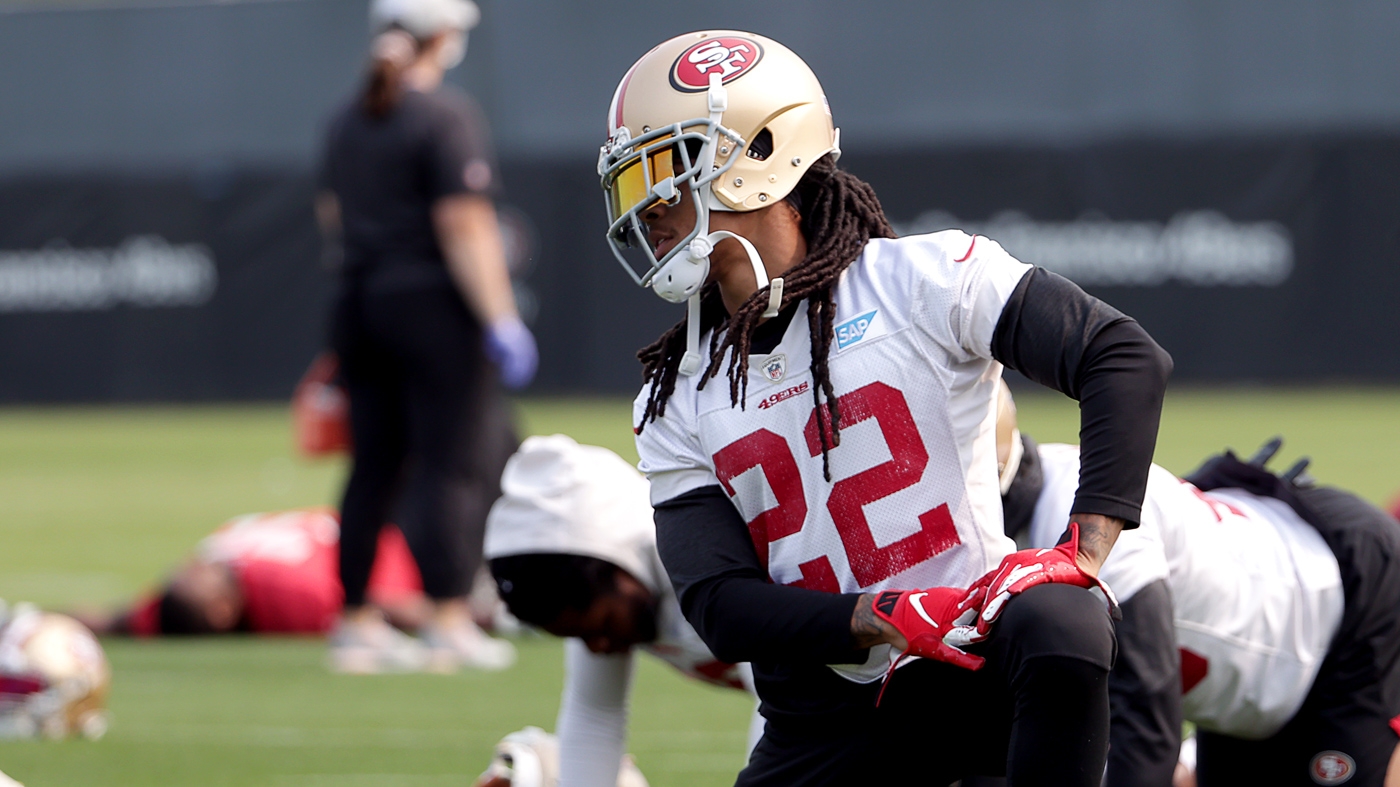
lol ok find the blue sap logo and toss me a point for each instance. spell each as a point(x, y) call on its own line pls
point(853, 330)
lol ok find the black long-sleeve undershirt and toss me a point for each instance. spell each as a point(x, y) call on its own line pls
point(1059, 336)
point(725, 593)
point(1051, 331)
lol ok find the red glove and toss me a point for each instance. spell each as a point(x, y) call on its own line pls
point(1022, 570)
point(927, 619)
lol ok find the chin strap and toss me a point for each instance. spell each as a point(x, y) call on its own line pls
point(704, 244)
point(760, 275)
point(690, 362)
point(702, 247)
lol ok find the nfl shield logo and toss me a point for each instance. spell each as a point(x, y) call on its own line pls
point(775, 368)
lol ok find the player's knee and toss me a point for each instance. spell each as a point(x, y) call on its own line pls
point(1059, 620)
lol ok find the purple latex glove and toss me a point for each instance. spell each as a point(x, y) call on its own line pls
point(512, 347)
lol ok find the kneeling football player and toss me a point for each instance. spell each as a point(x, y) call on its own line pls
point(573, 550)
point(1262, 608)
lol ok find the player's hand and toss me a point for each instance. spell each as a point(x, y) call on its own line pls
point(1027, 568)
point(512, 347)
point(929, 622)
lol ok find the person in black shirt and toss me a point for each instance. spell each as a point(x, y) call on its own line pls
point(426, 329)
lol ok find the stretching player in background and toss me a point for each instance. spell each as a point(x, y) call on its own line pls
point(573, 549)
point(272, 574)
point(819, 434)
point(1264, 609)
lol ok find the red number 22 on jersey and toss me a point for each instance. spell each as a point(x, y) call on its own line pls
point(846, 503)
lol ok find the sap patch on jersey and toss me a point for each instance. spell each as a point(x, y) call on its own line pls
point(855, 329)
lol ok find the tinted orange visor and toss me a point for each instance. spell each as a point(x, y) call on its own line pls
point(632, 185)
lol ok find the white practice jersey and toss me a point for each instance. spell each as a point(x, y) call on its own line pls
point(1257, 593)
point(913, 499)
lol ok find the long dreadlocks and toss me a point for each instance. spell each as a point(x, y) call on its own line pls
point(840, 214)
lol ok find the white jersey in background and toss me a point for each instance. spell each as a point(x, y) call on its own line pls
point(1257, 593)
point(560, 497)
point(914, 499)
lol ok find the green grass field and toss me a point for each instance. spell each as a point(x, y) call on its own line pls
point(96, 502)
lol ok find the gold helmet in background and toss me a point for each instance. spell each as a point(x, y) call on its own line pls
point(54, 676)
point(530, 758)
point(727, 119)
point(1010, 449)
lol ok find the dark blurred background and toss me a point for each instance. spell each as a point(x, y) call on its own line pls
point(1229, 173)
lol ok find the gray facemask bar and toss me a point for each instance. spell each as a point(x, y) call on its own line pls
point(630, 223)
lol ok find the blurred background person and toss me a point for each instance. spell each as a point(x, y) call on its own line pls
point(426, 329)
point(272, 573)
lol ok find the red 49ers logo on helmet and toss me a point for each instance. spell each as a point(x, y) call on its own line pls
point(729, 56)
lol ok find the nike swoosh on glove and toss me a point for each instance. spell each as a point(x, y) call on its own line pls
point(512, 347)
point(1027, 568)
point(928, 620)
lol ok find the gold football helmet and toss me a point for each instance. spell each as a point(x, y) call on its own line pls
point(1010, 450)
point(728, 119)
point(54, 676)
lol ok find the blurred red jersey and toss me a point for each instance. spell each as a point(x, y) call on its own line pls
point(287, 566)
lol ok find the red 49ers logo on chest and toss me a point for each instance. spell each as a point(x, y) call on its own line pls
point(846, 502)
point(729, 56)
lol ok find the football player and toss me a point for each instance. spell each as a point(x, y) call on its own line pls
point(274, 573)
point(573, 550)
point(1263, 608)
point(819, 436)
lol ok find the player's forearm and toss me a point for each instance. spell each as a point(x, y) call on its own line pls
point(869, 630)
point(749, 619)
point(1120, 406)
point(592, 723)
point(1059, 336)
point(1097, 535)
point(725, 592)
